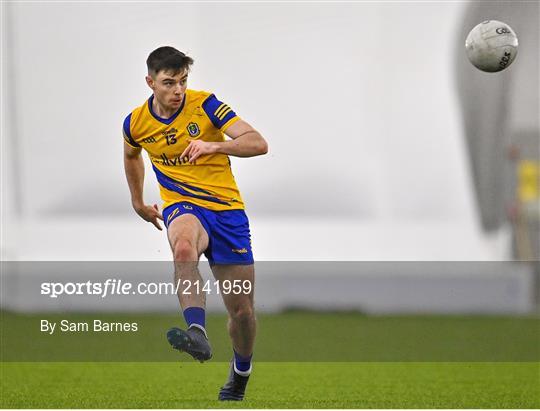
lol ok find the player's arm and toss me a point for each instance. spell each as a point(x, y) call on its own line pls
point(134, 168)
point(245, 142)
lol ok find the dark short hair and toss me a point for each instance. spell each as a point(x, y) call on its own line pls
point(167, 58)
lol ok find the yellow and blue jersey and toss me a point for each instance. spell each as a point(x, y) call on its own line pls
point(209, 182)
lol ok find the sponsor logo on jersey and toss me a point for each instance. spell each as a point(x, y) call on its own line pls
point(187, 207)
point(240, 250)
point(149, 140)
point(175, 161)
point(193, 129)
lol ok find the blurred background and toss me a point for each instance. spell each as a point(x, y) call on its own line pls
point(386, 146)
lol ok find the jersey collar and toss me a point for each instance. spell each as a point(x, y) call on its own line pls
point(161, 119)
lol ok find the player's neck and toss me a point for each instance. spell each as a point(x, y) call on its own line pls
point(161, 110)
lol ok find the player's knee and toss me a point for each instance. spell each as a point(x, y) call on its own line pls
point(185, 251)
point(242, 313)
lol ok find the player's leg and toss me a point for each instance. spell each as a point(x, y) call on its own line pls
point(241, 324)
point(188, 239)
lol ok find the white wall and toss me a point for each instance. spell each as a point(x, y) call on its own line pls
point(357, 101)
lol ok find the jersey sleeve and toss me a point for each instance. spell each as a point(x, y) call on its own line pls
point(126, 128)
point(219, 113)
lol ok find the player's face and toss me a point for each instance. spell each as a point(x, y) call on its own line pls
point(169, 89)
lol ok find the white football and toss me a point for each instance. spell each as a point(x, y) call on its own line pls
point(491, 46)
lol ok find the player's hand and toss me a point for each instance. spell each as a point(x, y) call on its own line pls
point(197, 148)
point(150, 214)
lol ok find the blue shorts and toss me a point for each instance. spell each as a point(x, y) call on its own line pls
point(228, 232)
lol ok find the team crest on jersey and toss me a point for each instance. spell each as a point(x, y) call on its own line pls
point(193, 129)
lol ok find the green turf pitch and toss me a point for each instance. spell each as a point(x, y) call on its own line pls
point(303, 360)
point(287, 337)
point(273, 385)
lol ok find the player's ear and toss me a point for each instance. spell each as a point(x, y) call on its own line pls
point(150, 82)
